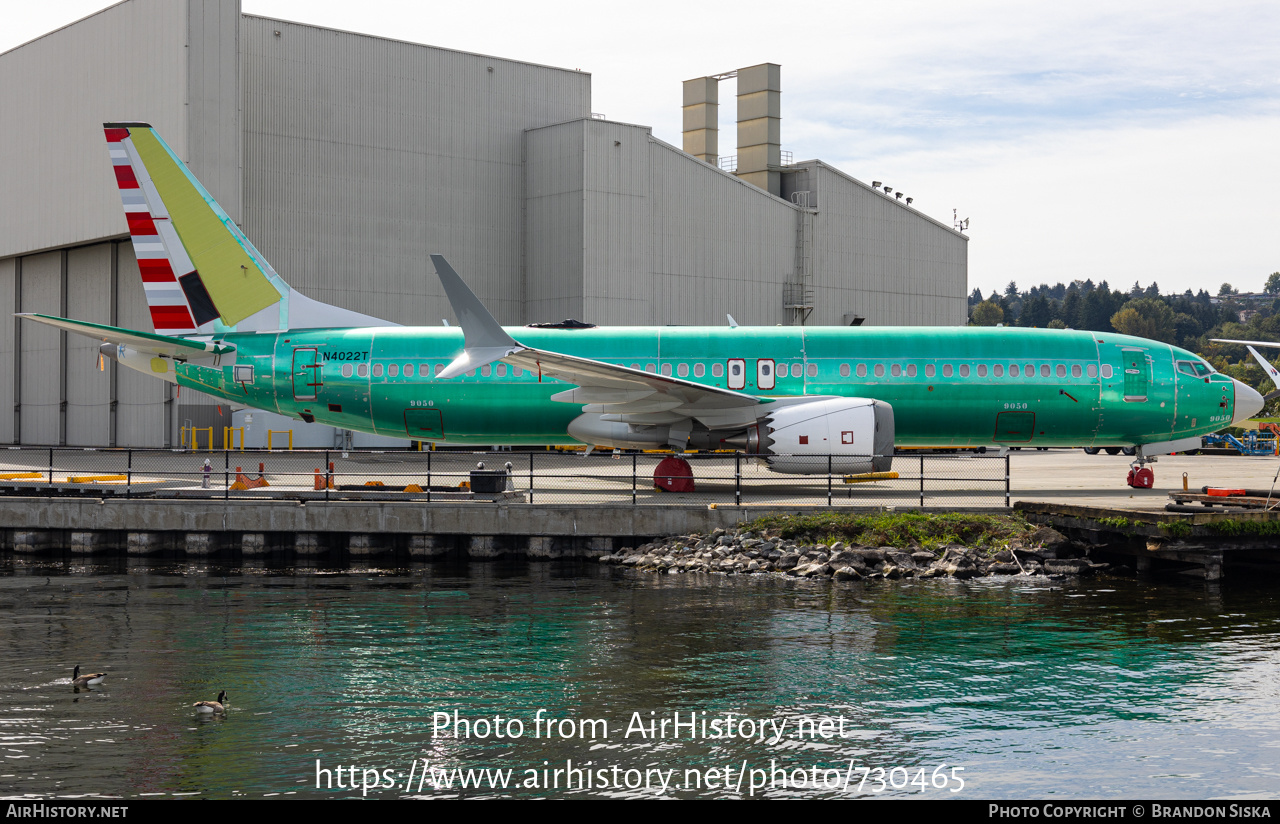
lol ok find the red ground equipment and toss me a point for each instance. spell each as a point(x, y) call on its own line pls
point(673, 475)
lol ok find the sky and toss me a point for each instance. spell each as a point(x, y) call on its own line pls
point(1120, 141)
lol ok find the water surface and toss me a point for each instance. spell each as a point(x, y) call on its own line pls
point(1108, 688)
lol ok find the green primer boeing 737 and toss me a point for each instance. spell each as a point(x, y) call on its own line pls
point(226, 324)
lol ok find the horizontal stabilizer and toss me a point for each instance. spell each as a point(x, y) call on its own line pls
point(160, 345)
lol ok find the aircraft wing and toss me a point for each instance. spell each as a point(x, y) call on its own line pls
point(161, 345)
point(633, 395)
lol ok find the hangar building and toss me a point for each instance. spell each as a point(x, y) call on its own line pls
point(349, 159)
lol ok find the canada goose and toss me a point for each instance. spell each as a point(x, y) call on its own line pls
point(90, 680)
point(213, 706)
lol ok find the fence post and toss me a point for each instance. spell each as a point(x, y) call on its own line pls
point(51, 467)
point(128, 476)
point(226, 475)
point(1006, 480)
point(828, 480)
point(634, 466)
point(530, 476)
point(328, 474)
point(922, 480)
point(429, 452)
point(737, 478)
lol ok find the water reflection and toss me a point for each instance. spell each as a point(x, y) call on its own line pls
point(1110, 688)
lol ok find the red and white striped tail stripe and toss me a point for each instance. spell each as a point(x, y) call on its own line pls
point(161, 255)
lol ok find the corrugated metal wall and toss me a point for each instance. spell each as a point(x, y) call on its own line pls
point(881, 259)
point(554, 222)
point(8, 323)
point(41, 354)
point(719, 245)
point(363, 156)
point(88, 418)
point(128, 61)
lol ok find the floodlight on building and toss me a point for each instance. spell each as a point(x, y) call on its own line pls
point(898, 195)
point(909, 200)
point(888, 190)
point(875, 184)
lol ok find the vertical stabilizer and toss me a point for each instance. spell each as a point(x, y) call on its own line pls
point(199, 271)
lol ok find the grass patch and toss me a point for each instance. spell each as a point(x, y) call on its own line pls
point(1175, 529)
point(1244, 528)
point(906, 529)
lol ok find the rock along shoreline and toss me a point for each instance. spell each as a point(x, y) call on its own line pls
point(1045, 553)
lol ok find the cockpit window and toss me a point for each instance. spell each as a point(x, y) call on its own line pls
point(1196, 369)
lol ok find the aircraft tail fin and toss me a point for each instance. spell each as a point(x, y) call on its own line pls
point(199, 271)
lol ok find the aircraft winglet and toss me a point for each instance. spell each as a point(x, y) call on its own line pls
point(485, 341)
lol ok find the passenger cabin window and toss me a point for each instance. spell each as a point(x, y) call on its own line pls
point(424, 370)
point(1075, 370)
point(844, 370)
point(1044, 370)
point(862, 370)
point(911, 370)
point(699, 370)
point(501, 369)
point(346, 370)
point(363, 370)
point(440, 368)
point(1013, 370)
point(377, 370)
point(998, 370)
point(485, 371)
point(649, 367)
point(896, 370)
point(682, 370)
point(516, 371)
point(879, 370)
point(408, 370)
point(1093, 370)
point(946, 370)
point(1106, 372)
point(666, 369)
point(1030, 370)
point(717, 370)
point(964, 370)
point(1061, 371)
point(982, 370)
point(393, 370)
point(797, 370)
point(812, 370)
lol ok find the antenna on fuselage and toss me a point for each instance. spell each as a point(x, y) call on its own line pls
point(733, 324)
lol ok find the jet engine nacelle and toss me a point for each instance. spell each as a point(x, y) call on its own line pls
point(844, 435)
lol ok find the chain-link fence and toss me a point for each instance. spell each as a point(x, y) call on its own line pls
point(533, 476)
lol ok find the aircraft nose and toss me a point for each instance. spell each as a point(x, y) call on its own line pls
point(1248, 402)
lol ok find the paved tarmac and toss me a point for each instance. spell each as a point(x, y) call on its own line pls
point(1058, 476)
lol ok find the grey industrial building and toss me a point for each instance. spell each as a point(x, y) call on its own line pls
point(348, 159)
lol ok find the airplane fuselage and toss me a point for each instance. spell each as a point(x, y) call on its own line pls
point(952, 386)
